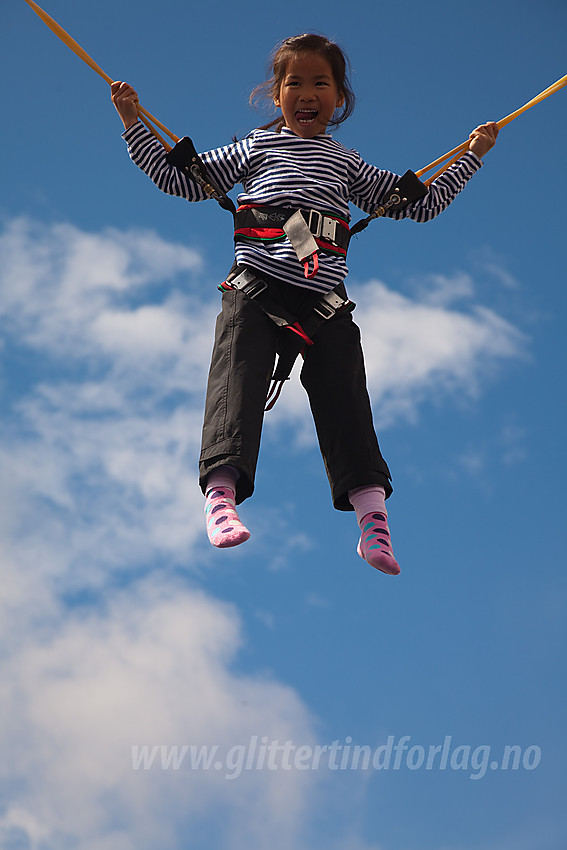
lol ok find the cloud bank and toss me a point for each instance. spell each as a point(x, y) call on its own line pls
point(105, 342)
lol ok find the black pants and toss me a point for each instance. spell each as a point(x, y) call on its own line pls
point(246, 342)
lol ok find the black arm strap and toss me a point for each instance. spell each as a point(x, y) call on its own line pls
point(408, 189)
point(184, 157)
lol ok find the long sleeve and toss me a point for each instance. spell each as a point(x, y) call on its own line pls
point(227, 165)
point(282, 169)
point(371, 184)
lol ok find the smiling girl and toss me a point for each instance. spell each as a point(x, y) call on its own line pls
point(291, 237)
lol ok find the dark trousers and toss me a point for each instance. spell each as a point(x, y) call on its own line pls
point(246, 342)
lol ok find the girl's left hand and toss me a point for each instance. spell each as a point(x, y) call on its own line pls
point(483, 138)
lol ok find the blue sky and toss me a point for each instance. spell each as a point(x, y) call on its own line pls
point(121, 626)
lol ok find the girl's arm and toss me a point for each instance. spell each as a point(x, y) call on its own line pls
point(227, 165)
point(445, 189)
point(372, 184)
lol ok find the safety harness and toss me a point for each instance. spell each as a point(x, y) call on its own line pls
point(309, 232)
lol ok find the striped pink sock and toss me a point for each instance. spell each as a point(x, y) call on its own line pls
point(374, 545)
point(224, 528)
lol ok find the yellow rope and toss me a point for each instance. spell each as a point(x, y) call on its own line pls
point(148, 118)
point(145, 116)
point(454, 154)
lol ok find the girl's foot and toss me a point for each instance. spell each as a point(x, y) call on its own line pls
point(224, 528)
point(374, 545)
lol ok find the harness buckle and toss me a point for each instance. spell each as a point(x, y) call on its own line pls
point(255, 287)
point(322, 226)
point(248, 283)
point(315, 222)
point(329, 229)
point(329, 305)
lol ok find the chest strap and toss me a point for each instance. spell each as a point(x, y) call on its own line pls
point(309, 231)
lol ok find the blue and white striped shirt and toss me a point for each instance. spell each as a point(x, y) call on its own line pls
point(282, 169)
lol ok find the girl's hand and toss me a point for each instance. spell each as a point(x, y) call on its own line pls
point(483, 138)
point(125, 100)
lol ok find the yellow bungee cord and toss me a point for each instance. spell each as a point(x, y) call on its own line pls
point(454, 154)
point(145, 116)
point(148, 119)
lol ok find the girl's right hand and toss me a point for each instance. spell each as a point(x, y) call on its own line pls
point(125, 100)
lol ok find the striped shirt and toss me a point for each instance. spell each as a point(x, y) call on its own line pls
point(282, 169)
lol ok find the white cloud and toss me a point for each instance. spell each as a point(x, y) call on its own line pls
point(98, 458)
point(441, 290)
point(151, 667)
point(56, 280)
point(97, 437)
point(416, 348)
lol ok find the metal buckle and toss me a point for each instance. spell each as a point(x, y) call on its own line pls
point(248, 283)
point(315, 228)
point(329, 305)
point(255, 287)
point(329, 229)
point(321, 226)
point(325, 308)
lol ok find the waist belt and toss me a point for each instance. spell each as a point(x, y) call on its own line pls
point(309, 231)
point(302, 328)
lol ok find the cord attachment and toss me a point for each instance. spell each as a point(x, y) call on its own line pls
point(184, 157)
point(407, 190)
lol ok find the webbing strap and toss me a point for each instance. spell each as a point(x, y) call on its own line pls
point(309, 231)
point(303, 329)
point(407, 190)
point(302, 242)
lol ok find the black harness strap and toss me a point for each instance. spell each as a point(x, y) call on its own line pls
point(323, 226)
point(331, 233)
point(184, 157)
point(303, 329)
point(408, 189)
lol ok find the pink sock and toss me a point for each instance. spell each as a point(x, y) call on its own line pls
point(374, 545)
point(224, 528)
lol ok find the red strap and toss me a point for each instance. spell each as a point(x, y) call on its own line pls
point(315, 257)
point(297, 329)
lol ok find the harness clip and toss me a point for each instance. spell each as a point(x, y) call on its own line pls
point(315, 222)
point(248, 283)
point(330, 304)
point(322, 226)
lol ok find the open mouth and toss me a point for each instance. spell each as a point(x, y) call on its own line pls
point(306, 116)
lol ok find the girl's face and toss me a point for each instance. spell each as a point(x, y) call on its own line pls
point(308, 95)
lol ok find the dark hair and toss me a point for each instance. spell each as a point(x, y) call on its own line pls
point(298, 46)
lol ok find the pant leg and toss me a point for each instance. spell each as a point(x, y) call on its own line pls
point(334, 377)
point(241, 367)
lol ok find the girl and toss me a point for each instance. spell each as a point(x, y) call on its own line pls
point(294, 164)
